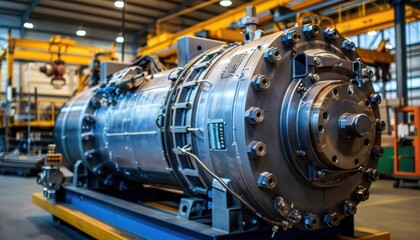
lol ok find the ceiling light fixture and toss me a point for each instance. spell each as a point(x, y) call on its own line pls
point(119, 4)
point(225, 3)
point(28, 25)
point(372, 33)
point(81, 33)
point(120, 38)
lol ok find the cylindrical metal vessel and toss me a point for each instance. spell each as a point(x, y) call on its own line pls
point(291, 119)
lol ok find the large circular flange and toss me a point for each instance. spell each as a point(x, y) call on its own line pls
point(337, 109)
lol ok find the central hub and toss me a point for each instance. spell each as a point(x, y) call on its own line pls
point(354, 125)
point(341, 122)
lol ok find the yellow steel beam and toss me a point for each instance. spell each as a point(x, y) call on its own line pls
point(375, 21)
point(81, 221)
point(45, 56)
point(167, 41)
point(372, 56)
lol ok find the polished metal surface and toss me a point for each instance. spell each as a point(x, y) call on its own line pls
point(288, 118)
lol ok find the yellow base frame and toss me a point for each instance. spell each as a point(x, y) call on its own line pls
point(100, 230)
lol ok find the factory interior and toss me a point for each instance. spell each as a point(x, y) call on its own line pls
point(210, 119)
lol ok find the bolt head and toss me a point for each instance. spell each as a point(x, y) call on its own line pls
point(314, 77)
point(348, 46)
point(349, 208)
point(260, 82)
point(311, 221)
point(266, 180)
point(331, 219)
point(272, 55)
point(254, 115)
point(362, 194)
point(311, 31)
point(375, 98)
point(378, 151)
point(257, 149)
point(331, 34)
point(372, 174)
point(381, 125)
point(317, 61)
point(290, 38)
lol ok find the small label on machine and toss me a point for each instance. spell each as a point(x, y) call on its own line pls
point(217, 139)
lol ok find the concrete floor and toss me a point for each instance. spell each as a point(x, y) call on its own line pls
point(388, 209)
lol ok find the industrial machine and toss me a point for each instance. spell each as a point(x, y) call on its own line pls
point(281, 132)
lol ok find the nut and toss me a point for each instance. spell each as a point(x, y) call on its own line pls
point(254, 115)
point(290, 38)
point(257, 149)
point(362, 194)
point(314, 77)
point(331, 34)
point(375, 98)
point(311, 221)
point(260, 82)
point(349, 208)
point(348, 46)
point(372, 174)
point(378, 151)
point(266, 180)
point(272, 55)
point(380, 125)
point(317, 61)
point(311, 31)
point(331, 219)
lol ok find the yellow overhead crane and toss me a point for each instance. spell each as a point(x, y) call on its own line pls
point(365, 20)
point(164, 43)
point(55, 48)
point(65, 49)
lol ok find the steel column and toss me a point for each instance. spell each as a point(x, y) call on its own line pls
point(401, 50)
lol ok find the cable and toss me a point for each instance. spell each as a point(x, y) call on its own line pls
point(276, 224)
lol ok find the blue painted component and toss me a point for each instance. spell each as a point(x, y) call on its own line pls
point(149, 223)
point(123, 219)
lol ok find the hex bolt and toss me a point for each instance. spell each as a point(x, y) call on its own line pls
point(272, 55)
point(331, 34)
point(314, 77)
point(362, 194)
point(254, 115)
point(290, 38)
point(260, 82)
point(311, 31)
point(300, 153)
point(380, 125)
point(349, 208)
point(301, 89)
point(378, 151)
point(348, 46)
point(266, 180)
point(372, 174)
point(317, 61)
point(375, 98)
point(311, 221)
point(256, 149)
point(331, 219)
